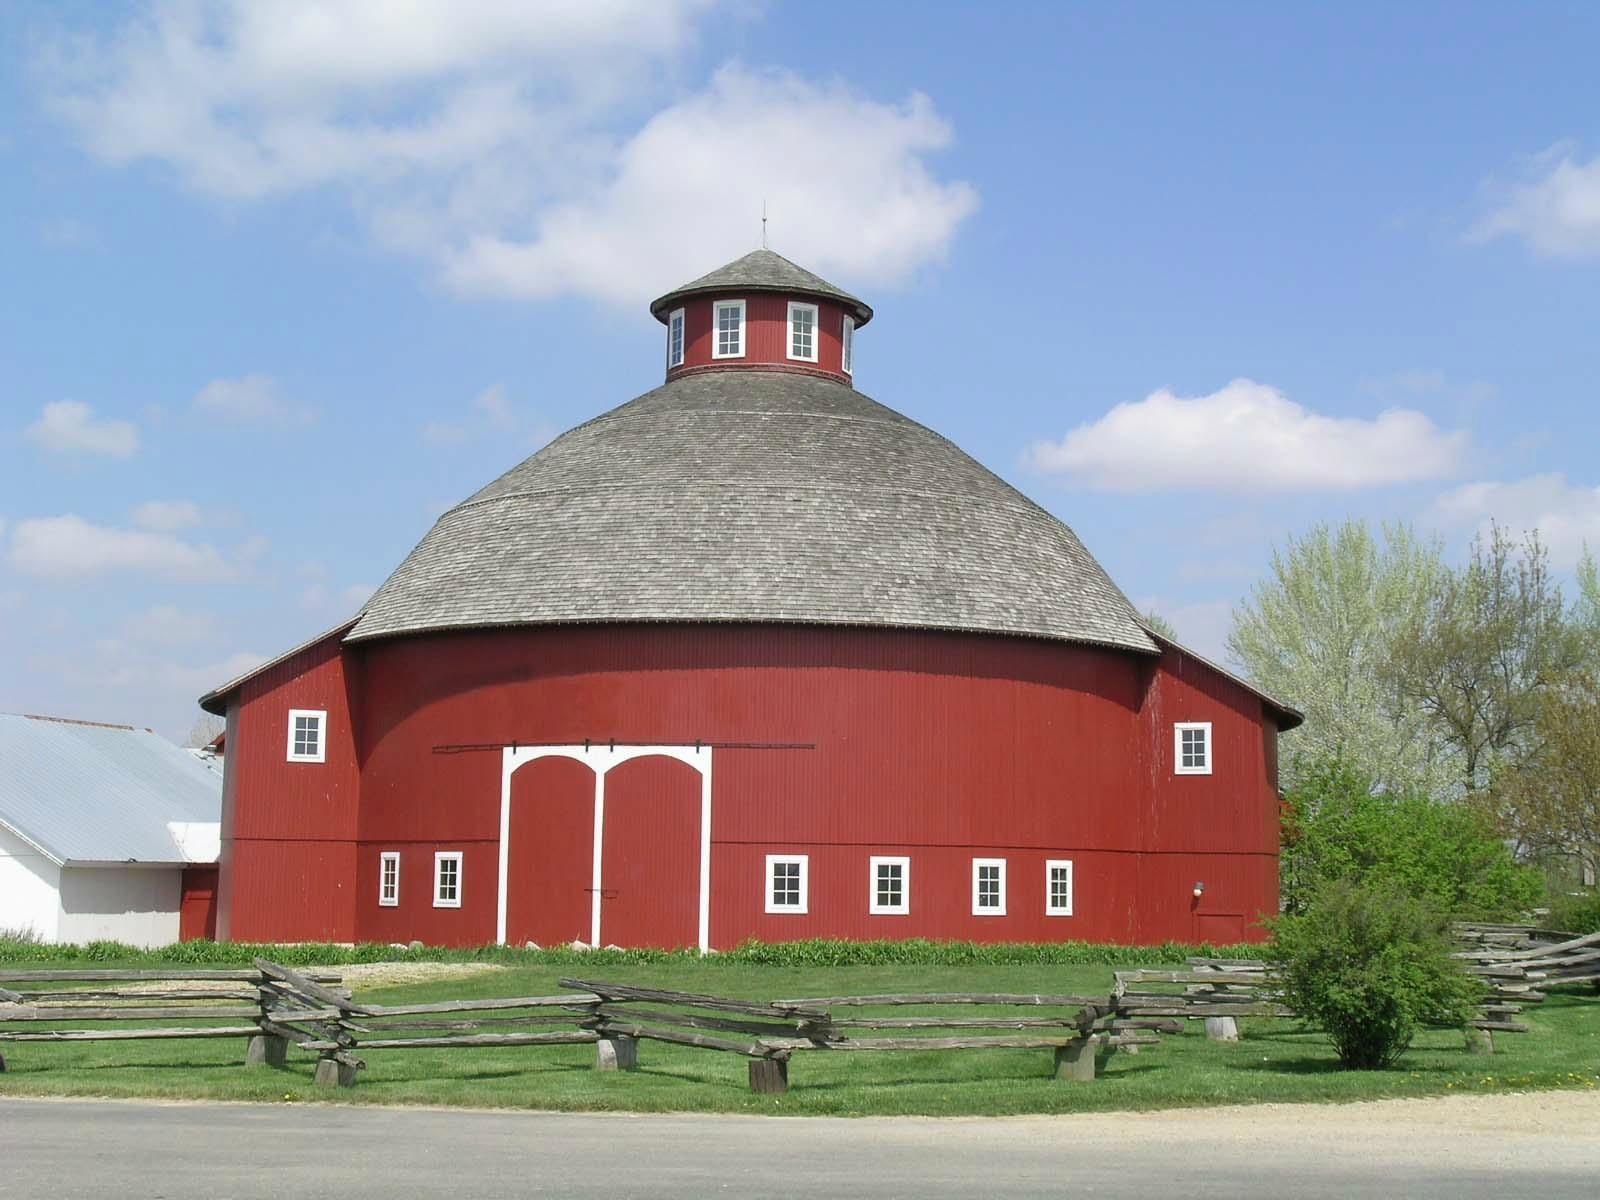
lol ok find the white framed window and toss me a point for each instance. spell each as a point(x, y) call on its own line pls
point(788, 885)
point(1191, 747)
point(1058, 887)
point(988, 887)
point(308, 735)
point(728, 329)
point(890, 881)
point(675, 338)
point(802, 331)
point(447, 879)
point(847, 346)
point(389, 878)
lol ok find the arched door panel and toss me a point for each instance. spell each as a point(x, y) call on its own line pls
point(550, 867)
point(650, 871)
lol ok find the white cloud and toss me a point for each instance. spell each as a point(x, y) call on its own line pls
point(169, 625)
point(492, 412)
point(67, 547)
point(1247, 437)
point(687, 189)
point(510, 146)
point(1566, 515)
point(69, 426)
point(1555, 208)
point(343, 602)
point(167, 515)
point(249, 400)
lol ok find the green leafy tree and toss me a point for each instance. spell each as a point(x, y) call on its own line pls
point(1318, 633)
point(1159, 624)
point(1478, 656)
point(1371, 964)
point(1337, 828)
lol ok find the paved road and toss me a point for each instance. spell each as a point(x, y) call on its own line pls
point(1490, 1147)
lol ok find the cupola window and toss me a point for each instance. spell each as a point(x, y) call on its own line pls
point(675, 338)
point(847, 345)
point(730, 329)
point(803, 332)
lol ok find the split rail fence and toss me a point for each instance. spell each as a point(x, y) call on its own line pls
point(276, 1007)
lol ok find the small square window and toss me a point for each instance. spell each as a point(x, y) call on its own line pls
point(308, 735)
point(1191, 747)
point(447, 879)
point(1058, 887)
point(389, 879)
point(847, 346)
point(891, 886)
point(787, 885)
point(803, 332)
point(729, 329)
point(675, 338)
point(988, 887)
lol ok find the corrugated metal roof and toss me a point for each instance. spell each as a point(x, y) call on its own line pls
point(82, 792)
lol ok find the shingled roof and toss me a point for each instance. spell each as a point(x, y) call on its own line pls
point(760, 496)
point(762, 271)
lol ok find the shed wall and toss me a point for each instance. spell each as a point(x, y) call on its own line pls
point(29, 887)
point(135, 905)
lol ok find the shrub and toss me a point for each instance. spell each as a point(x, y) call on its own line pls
point(1576, 914)
point(1335, 827)
point(1370, 964)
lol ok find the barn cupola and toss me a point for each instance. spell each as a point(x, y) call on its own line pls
point(761, 312)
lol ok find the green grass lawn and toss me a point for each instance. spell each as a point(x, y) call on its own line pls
point(1276, 1061)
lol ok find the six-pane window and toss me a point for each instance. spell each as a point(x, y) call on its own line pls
point(803, 331)
point(891, 886)
point(730, 329)
point(1192, 747)
point(988, 887)
point(1058, 887)
point(306, 741)
point(786, 883)
point(447, 879)
point(675, 338)
point(389, 879)
point(847, 345)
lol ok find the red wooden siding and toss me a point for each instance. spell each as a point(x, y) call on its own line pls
point(197, 913)
point(766, 334)
point(941, 747)
point(288, 828)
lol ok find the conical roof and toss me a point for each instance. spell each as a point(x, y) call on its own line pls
point(762, 271)
point(754, 496)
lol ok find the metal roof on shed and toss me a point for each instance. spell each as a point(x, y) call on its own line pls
point(82, 792)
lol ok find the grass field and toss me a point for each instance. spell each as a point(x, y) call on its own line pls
point(1275, 1062)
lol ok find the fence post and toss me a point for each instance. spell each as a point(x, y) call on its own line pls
point(616, 1054)
point(1479, 1041)
point(769, 1076)
point(2, 1064)
point(1222, 1029)
point(266, 1049)
point(1075, 1060)
point(331, 1072)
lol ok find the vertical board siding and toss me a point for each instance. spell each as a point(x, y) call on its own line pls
point(942, 747)
point(766, 333)
point(197, 915)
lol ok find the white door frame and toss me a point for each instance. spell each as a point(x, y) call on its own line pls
point(601, 759)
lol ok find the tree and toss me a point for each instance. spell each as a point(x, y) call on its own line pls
point(1318, 632)
point(1159, 624)
point(1548, 801)
point(204, 730)
point(1478, 654)
point(1371, 964)
point(1337, 828)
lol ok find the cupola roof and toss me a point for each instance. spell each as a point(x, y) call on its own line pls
point(762, 271)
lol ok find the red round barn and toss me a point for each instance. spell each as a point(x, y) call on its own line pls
point(751, 656)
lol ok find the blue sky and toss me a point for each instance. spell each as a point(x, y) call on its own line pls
point(282, 284)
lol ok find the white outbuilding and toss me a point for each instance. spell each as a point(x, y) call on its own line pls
point(106, 832)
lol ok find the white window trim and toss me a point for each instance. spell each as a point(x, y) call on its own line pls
point(716, 328)
point(805, 883)
point(1177, 748)
point(439, 857)
point(1051, 909)
point(889, 910)
point(676, 317)
point(321, 714)
point(847, 346)
point(816, 331)
point(385, 900)
point(977, 864)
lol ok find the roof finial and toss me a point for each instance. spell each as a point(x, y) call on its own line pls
point(763, 222)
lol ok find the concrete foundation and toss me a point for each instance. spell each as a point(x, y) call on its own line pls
point(266, 1051)
point(616, 1054)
